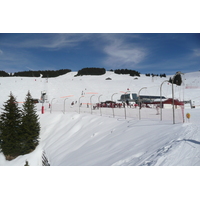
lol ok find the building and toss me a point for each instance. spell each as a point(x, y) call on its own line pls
point(145, 99)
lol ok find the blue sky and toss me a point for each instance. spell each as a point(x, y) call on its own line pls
point(146, 52)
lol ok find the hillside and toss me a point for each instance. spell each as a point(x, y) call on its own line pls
point(81, 136)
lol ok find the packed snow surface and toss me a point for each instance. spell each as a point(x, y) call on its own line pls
point(73, 135)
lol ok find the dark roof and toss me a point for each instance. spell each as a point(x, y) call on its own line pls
point(150, 97)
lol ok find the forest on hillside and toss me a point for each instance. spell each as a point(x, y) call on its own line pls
point(127, 71)
point(43, 73)
point(84, 71)
point(91, 71)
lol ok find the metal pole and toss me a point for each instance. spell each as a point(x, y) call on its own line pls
point(124, 109)
point(139, 101)
point(173, 96)
point(91, 103)
point(51, 105)
point(161, 98)
point(173, 101)
point(183, 109)
point(64, 105)
point(99, 104)
point(112, 101)
point(124, 104)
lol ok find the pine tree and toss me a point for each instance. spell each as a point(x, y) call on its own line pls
point(26, 164)
point(177, 80)
point(30, 127)
point(10, 121)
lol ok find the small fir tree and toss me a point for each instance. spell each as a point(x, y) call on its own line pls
point(26, 164)
point(30, 127)
point(10, 121)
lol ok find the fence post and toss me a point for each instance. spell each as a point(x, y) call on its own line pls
point(42, 109)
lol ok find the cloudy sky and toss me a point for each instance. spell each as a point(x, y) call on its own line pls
point(146, 53)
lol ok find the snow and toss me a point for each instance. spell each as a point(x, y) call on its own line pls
point(81, 136)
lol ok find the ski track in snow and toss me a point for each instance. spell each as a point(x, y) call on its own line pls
point(159, 156)
point(162, 153)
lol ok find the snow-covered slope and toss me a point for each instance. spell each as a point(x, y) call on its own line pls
point(78, 137)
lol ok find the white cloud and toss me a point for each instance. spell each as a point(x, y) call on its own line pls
point(196, 52)
point(125, 54)
point(121, 53)
point(1, 52)
point(53, 41)
point(48, 41)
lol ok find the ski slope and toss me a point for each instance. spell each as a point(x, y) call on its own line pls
point(79, 136)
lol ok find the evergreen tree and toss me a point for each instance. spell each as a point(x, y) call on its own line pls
point(26, 164)
point(177, 79)
point(30, 127)
point(10, 121)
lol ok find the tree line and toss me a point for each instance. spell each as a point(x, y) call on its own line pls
point(161, 75)
point(4, 74)
point(44, 73)
point(19, 128)
point(91, 71)
point(127, 71)
point(84, 71)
